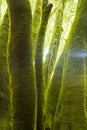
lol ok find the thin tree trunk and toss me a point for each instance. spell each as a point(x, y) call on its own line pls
point(36, 20)
point(54, 45)
point(39, 67)
point(4, 79)
point(53, 92)
point(21, 72)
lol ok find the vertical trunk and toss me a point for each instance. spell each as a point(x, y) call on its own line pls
point(71, 109)
point(4, 81)
point(22, 87)
point(36, 24)
point(39, 68)
point(52, 54)
point(36, 21)
point(53, 91)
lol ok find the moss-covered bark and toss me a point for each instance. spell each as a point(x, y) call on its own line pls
point(22, 87)
point(36, 24)
point(36, 20)
point(4, 80)
point(54, 45)
point(39, 67)
point(71, 109)
point(52, 93)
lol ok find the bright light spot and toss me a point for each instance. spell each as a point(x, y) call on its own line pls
point(78, 55)
point(76, 1)
point(45, 53)
point(3, 9)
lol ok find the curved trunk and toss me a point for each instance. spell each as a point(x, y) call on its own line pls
point(71, 109)
point(21, 72)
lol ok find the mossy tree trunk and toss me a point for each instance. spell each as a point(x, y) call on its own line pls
point(4, 79)
point(39, 67)
point(54, 45)
point(36, 22)
point(71, 109)
point(53, 92)
point(21, 72)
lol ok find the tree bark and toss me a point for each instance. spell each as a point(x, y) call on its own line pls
point(53, 92)
point(39, 67)
point(4, 78)
point(36, 20)
point(54, 45)
point(21, 72)
point(36, 25)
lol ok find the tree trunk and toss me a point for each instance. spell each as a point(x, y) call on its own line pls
point(39, 67)
point(4, 80)
point(54, 45)
point(36, 25)
point(53, 91)
point(21, 72)
point(36, 21)
point(71, 109)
